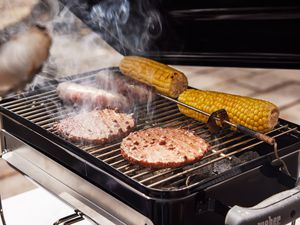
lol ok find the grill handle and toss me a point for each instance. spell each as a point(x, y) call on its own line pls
point(281, 208)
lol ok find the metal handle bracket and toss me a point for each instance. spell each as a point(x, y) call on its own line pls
point(70, 219)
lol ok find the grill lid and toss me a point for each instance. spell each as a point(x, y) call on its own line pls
point(228, 33)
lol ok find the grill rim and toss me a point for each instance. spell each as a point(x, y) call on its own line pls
point(94, 163)
point(96, 174)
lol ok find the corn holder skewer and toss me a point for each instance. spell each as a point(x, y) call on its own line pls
point(237, 127)
point(221, 119)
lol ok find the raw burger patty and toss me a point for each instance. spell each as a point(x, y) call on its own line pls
point(97, 126)
point(163, 147)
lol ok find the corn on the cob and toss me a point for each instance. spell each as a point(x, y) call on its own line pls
point(255, 114)
point(163, 78)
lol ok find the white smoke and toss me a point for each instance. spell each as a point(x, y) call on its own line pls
point(135, 27)
point(77, 49)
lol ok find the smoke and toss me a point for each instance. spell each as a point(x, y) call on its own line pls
point(77, 49)
point(135, 25)
point(109, 16)
point(109, 10)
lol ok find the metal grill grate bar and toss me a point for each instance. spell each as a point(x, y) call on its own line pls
point(37, 109)
point(209, 156)
point(46, 108)
point(212, 161)
point(132, 170)
point(117, 156)
point(28, 107)
point(30, 101)
point(23, 100)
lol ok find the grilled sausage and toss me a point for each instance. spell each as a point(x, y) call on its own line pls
point(91, 97)
point(136, 92)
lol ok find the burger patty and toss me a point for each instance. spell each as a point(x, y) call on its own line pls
point(91, 97)
point(97, 126)
point(163, 147)
point(135, 91)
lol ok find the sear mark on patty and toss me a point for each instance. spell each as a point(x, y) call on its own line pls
point(96, 127)
point(163, 147)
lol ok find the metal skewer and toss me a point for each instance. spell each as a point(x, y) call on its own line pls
point(238, 127)
point(265, 138)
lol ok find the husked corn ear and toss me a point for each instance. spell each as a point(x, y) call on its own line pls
point(163, 78)
point(255, 114)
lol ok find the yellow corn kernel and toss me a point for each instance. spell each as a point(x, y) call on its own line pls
point(253, 113)
point(163, 78)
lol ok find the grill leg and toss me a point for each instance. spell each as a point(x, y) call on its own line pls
point(1, 213)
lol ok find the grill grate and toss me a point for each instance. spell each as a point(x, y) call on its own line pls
point(46, 108)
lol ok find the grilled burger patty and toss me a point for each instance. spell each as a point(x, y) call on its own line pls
point(163, 147)
point(97, 126)
point(91, 97)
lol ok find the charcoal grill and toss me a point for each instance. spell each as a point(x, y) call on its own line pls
point(99, 182)
point(240, 171)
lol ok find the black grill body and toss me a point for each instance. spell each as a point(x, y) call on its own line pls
point(175, 196)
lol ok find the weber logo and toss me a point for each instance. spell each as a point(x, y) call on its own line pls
point(271, 221)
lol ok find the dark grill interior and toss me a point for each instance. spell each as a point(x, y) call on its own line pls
point(229, 148)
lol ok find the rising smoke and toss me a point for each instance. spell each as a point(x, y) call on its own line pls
point(134, 24)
